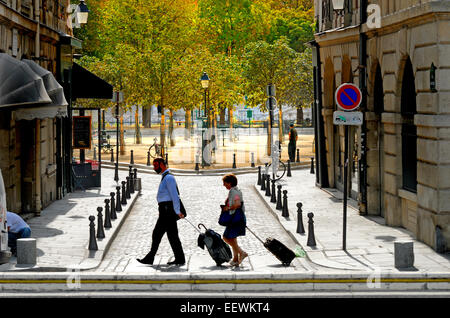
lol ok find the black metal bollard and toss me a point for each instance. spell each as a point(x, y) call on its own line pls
point(279, 199)
point(253, 160)
point(124, 194)
point(311, 238)
point(118, 204)
point(131, 188)
point(112, 202)
point(234, 161)
point(273, 198)
point(116, 172)
point(131, 158)
point(127, 188)
point(298, 155)
point(100, 230)
point(107, 215)
point(112, 155)
point(259, 175)
point(289, 174)
point(135, 173)
point(197, 163)
point(268, 186)
point(312, 165)
point(300, 227)
point(263, 182)
point(92, 240)
point(148, 158)
point(113, 206)
point(285, 211)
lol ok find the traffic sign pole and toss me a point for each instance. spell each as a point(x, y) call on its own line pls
point(348, 98)
point(344, 230)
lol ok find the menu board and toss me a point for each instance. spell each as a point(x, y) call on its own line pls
point(81, 132)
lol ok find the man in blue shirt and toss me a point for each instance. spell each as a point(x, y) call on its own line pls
point(169, 213)
point(17, 228)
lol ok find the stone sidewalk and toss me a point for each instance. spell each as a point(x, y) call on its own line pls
point(369, 243)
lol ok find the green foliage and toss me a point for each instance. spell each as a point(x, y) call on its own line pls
point(155, 51)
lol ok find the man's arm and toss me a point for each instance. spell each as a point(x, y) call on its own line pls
point(172, 187)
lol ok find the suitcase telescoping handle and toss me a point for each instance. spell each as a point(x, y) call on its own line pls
point(194, 225)
point(255, 235)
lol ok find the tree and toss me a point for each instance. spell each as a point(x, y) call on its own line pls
point(266, 64)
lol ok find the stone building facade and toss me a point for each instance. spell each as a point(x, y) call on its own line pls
point(400, 157)
point(31, 149)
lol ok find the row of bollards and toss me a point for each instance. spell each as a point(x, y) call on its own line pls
point(281, 201)
point(112, 206)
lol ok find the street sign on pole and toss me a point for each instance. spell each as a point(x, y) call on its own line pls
point(348, 97)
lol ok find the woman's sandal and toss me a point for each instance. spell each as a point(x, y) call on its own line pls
point(242, 257)
point(234, 263)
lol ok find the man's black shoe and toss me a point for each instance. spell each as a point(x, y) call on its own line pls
point(176, 263)
point(144, 261)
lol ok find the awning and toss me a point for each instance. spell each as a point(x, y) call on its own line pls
point(88, 85)
point(30, 89)
point(19, 84)
point(54, 89)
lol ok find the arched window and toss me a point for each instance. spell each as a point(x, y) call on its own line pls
point(409, 130)
point(378, 92)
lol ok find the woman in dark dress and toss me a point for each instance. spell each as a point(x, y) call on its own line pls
point(234, 202)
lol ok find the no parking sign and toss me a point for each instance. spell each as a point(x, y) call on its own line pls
point(348, 97)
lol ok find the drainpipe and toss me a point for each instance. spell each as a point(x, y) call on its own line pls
point(362, 166)
point(37, 17)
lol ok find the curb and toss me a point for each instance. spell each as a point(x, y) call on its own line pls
point(176, 171)
point(243, 282)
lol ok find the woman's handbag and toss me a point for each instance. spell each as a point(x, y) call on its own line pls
point(227, 219)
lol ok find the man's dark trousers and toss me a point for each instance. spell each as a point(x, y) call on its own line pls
point(291, 150)
point(167, 222)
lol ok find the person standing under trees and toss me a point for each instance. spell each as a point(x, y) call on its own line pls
point(293, 137)
point(233, 203)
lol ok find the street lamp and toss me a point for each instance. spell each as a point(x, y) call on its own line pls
point(338, 4)
point(82, 13)
point(205, 84)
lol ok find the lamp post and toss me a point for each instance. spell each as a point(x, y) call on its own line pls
point(205, 84)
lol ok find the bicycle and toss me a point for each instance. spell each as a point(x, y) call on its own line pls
point(155, 150)
point(276, 154)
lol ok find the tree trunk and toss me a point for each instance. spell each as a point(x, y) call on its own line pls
point(171, 137)
point(299, 115)
point(230, 122)
point(122, 137)
point(187, 125)
point(222, 117)
point(137, 127)
point(280, 125)
point(147, 116)
point(162, 129)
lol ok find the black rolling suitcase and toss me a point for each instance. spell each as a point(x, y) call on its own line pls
point(219, 251)
point(278, 249)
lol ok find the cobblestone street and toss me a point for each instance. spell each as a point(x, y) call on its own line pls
point(201, 197)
